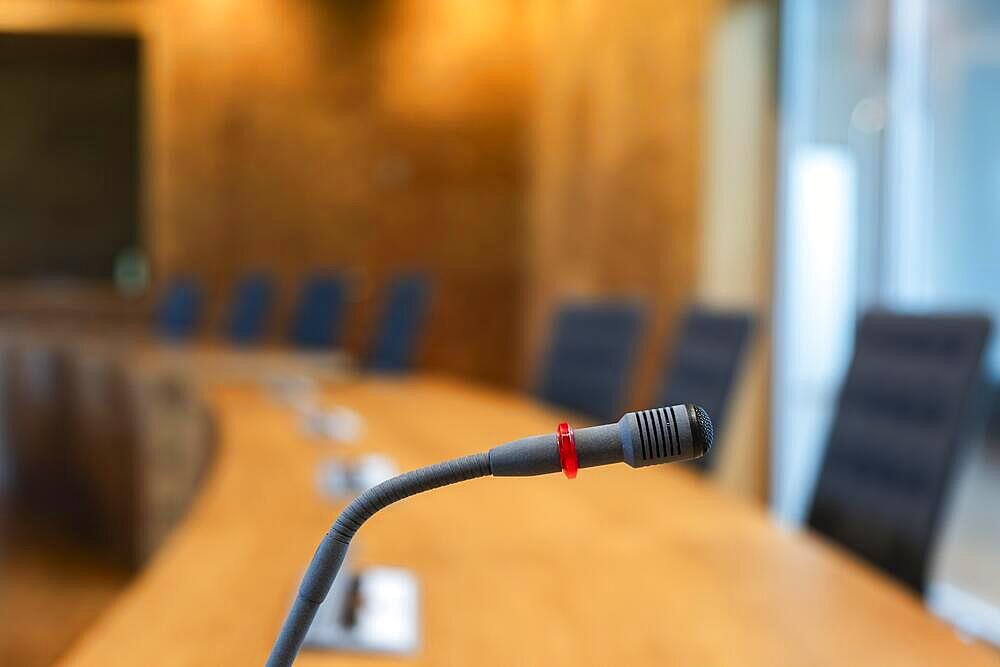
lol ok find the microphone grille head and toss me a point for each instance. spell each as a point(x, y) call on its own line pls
point(663, 435)
point(702, 430)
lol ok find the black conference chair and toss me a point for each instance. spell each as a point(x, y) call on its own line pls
point(178, 313)
point(317, 321)
point(708, 354)
point(895, 438)
point(590, 356)
point(399, 326)
point(104, 418)
point(250, 309)
point(39, 440)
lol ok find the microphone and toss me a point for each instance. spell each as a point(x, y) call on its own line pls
point(648, 437)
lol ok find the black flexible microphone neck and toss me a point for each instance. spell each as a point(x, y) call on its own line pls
point(662, 435)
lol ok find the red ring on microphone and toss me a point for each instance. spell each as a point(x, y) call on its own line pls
point(567, 450)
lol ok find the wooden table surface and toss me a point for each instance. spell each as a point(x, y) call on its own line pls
point(616, 567)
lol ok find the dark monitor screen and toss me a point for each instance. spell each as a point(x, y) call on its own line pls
point(70, 158)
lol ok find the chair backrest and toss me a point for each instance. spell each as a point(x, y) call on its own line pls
point(179, 311)
point(708, 353)
point(399, 326)
point(895, 438)
point(250, 309)
point(108, 450)
point(38, 437)
point(589, 359)
point(317, 321)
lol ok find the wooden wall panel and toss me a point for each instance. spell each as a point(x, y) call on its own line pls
point(479, 141)
point(616, 146)
point(290, 141)
point(476, 140)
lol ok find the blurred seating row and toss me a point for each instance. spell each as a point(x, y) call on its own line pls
point(901, 417)
point(111, 449)
point(105, 455)
point(590, 357)
point(317, 320)
point(106, 441)
point(892, 448)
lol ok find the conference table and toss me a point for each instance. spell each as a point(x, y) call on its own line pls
point(617, 567)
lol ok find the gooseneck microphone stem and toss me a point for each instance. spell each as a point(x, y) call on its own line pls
point(639, 439)
point(331, 551)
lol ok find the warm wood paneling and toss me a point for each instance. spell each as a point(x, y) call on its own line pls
point(616, 146)
point(477, 141)
point(292, 137)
